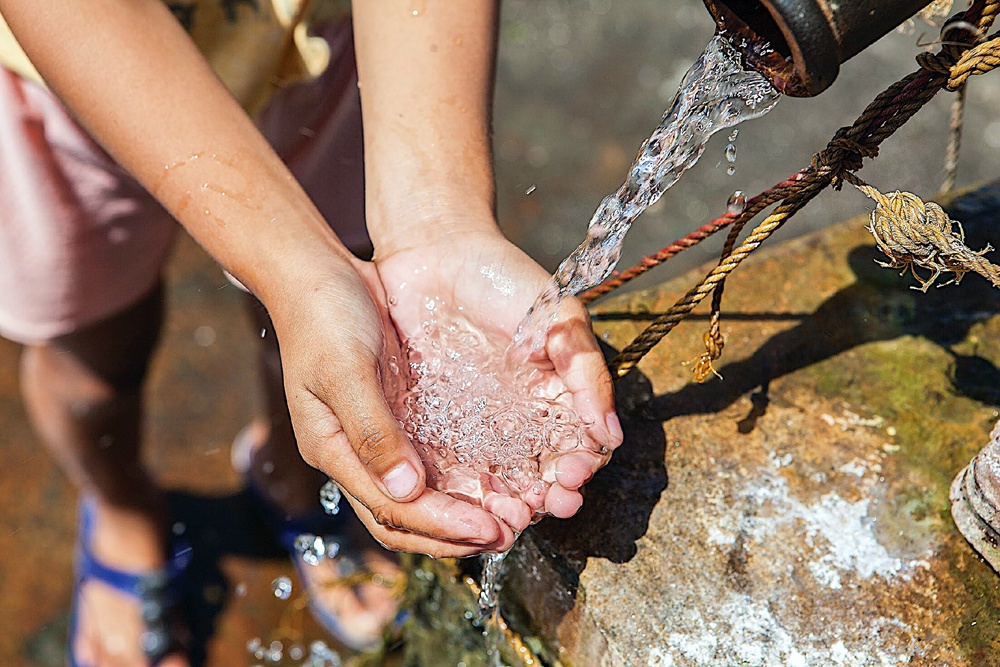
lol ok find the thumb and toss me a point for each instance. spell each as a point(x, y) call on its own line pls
point(377, 438)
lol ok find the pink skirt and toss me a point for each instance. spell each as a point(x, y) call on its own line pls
point(81, 240)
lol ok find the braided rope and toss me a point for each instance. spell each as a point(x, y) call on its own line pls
point(661, 326)
point(843, 155)
point(753, 206)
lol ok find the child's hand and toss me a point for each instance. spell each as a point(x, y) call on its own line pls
point(492, 283)
point(334, 339)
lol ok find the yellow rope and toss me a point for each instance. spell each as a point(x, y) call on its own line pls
point(902, 227)
point(914, 234)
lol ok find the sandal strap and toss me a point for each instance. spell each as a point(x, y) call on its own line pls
point(159, 591)
point(287, 529)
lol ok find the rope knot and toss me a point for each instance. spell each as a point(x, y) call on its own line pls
point(714, 342)
point(841, 155)
point(913, 233)
point(938, 63)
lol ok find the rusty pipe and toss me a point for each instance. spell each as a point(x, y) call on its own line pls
point(800, 44)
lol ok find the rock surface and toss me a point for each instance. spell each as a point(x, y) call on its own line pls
point(796, 512)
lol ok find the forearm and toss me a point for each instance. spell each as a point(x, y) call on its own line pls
point(426, 93)
point(130, 74)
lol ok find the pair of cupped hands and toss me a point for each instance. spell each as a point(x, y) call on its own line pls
point(337, 334)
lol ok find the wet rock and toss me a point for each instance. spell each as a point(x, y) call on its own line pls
point(796, 511)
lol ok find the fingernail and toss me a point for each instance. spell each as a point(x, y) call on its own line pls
point(614, 427)
point(401, 480)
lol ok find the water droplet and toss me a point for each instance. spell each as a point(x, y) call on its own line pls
point(735, 133)
point(530, 190)
point(282, 588)
point(311, 548)
point(737, 203)
point(731, 153)
point(263, 332)
point(393, 301)
point(329, 497)
point(730, 170)
point(204, 336)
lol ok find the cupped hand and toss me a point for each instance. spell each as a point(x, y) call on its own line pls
point(490, 283)
point(334, 335)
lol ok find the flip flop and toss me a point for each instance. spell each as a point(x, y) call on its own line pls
point(299, 536)
point(159, 592)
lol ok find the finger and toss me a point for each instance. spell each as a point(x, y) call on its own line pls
point(562, 503)
point(512, 511)
point(432, 514)
point(572, 470)
point(578, 361)
point(374, 434)
point(402, 540)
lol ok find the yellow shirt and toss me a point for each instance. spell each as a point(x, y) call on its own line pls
point(254, 46)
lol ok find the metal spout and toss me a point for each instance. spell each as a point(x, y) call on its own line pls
point(799, 44)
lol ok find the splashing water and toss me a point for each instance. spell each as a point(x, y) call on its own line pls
point(282, 588)
point(474, 421)
point(482, 417)
point(715, 94)
point(329, 497)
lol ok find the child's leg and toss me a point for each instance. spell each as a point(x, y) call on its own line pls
point(83, 393)
point(81, 249)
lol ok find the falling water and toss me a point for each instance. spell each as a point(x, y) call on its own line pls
point(715, 94)
point(470, 411)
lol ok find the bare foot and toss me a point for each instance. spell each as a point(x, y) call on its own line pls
point(109, 622)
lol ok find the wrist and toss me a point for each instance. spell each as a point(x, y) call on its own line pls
point(434, 217)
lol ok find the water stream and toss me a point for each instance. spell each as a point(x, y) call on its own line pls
point(477, 411)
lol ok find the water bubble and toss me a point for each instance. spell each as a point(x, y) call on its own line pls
point(321, 655)
point(393, 301)
point(737, 203)
point(311, 548)
point(204, 336)
point(282, 588)
point(329, 497)
point(731, 153)
point(274, 652)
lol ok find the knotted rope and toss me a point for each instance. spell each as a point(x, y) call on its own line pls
point(842, 156)
point(913, 233)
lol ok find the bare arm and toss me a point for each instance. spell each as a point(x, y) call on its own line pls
point(133, 78)
point(426, 91)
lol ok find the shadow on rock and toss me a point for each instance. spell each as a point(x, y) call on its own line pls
point(880, 305)
point(550, 556)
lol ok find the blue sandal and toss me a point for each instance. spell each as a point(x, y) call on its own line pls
point(158, 591)
point(312, 537)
